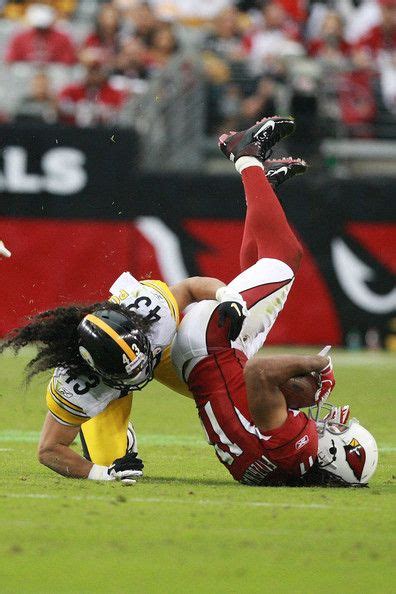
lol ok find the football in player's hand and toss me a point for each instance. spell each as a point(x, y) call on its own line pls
point(300, 391)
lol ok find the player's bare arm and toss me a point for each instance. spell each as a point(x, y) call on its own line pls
point(195, 288)
point(271, 389)
point(54, 451)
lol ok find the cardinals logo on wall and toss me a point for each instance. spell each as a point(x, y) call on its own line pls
point(364, 275)
point(363, 261)
point(356, 457)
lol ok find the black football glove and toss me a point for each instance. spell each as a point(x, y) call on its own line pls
point(127, 469)
point(232, 309)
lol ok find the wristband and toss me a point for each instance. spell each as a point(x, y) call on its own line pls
point(219, 293)
point(99, 473)
point(227, 294)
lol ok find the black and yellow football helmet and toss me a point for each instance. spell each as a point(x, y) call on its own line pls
point(111, 345)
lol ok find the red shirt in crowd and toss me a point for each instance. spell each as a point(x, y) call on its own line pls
point(297, 9)
point(83, 105)
point(377, 39)
point(317, 46)
point(94, 40)
point(46, 46)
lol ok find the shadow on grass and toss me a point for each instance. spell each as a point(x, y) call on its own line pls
point(169, 480)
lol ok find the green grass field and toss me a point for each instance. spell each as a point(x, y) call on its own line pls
point(187, 527)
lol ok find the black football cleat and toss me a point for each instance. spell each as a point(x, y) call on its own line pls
point(279, 170)
point(256, 141)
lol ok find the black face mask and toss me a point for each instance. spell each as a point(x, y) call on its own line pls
point(129, 383)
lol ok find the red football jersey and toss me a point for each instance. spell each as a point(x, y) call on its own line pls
point(250, 455)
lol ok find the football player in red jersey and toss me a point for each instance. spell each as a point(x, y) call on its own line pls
point(249, 408)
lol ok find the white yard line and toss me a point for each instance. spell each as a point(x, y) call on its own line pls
point(112, 497)
point(215, 502)
point(150, 439)
point(17, 436)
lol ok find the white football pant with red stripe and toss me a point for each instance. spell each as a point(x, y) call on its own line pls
point(264, 286)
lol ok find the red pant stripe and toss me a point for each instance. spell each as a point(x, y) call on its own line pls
point(255, 294)
point(216, 338)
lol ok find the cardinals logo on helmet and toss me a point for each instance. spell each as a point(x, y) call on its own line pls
point(356, 457)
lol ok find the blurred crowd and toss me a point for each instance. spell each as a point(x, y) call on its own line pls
point(331, 63)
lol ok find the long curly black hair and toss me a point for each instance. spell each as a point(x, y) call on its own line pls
point(54, 332)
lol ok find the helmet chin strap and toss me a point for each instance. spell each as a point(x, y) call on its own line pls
point(142, 378)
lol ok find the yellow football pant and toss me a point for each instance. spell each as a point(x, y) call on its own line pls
point(104, 437)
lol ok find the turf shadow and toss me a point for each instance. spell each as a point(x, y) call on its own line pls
point(167, 480)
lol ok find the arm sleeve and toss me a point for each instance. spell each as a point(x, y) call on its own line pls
point(63, 410)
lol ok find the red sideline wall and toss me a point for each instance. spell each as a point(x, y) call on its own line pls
point(72, 203)
point(57, 262)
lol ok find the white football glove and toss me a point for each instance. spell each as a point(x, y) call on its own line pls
point(128, 470)
point(225, 294)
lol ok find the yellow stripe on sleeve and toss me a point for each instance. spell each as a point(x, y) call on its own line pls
point(61, 414)
point(63, 399)
point(65, 407)
point(163, 289)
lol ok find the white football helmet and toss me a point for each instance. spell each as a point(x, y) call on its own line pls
point(346, 450)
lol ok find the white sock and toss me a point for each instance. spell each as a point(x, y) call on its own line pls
point(244, 162)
